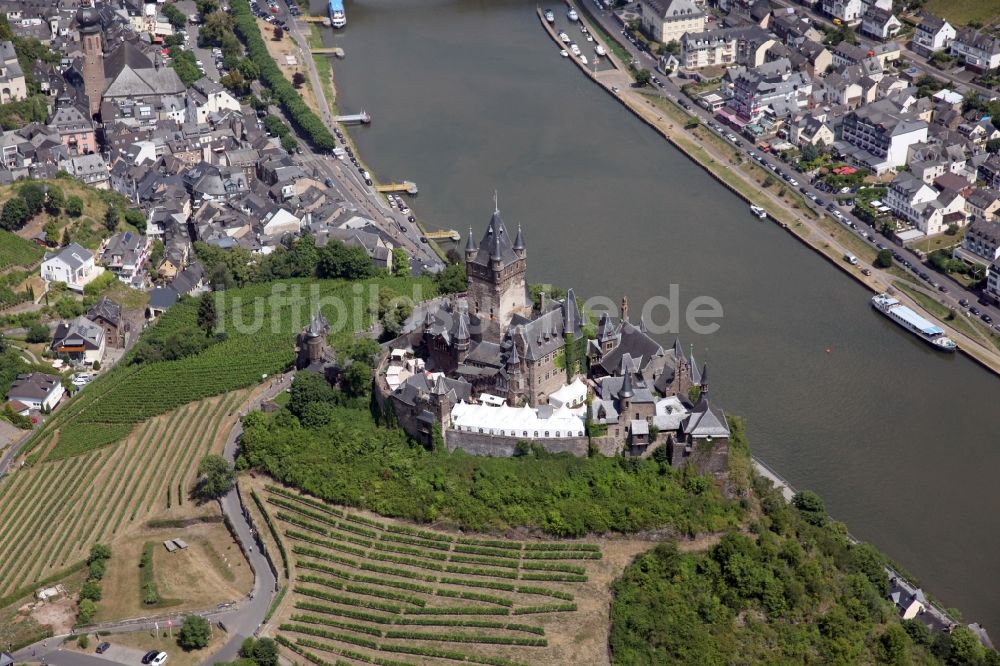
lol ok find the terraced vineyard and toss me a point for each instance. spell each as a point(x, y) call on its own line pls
point(51, 513)
point(15, 251)
point(381, 592)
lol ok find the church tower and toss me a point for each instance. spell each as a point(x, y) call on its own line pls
point(93, 56)
point(496, 274)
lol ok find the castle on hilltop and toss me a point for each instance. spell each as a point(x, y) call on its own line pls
point(488, 370)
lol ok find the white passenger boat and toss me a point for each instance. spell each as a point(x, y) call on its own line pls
point(564, 38)
point(758, 211)
point(549, 16)
point(914, 323)
point(572, 15)
point(564, 53)
point(599, 50)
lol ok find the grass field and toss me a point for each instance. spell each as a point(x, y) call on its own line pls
point(365, 589)
point(961, 12)
point(51, 512)
point(16, 251)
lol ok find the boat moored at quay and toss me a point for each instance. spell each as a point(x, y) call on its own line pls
point(914, 323)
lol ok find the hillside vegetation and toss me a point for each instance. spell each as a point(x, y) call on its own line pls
point(177, 362)
point(793, 590)
point(329, 446)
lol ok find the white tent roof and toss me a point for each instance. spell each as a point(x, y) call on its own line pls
point(570, 394)
point(517, 421)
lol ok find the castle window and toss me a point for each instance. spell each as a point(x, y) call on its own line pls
point(546, 433)
point(536, 433)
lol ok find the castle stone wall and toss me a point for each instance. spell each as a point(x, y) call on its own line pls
point(480, 444)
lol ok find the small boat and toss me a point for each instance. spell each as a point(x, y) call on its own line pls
point(564, 53)
point(914, 323)
point(564, 38)
point(583, 29)
point(572, 15)
point(589, 38)
point(574, 49)
point(583, 59)
point(758, 211)
point(599, 50)
point(549, 16)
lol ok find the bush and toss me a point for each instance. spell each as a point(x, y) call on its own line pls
point(91, 590)
point(86, 611)
point(38, 333)
point(74, 206)
point(83, 641)
point(884, 259)
point(194, 634)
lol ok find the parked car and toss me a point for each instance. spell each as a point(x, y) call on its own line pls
point(985, 317)
point(150, 656)
point(103, 647)
point(159, 659)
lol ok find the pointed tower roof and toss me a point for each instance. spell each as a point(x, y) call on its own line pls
point(695, 373)
point(519, 241)
point(571, 313)
point(318, 326)
point(605, 329)
point(704, 378)
point(642, 324)
point(462, 328)
point(678, 350)
point(496, 242)
point(512, 356)
point(626, 389)
point(470, 245)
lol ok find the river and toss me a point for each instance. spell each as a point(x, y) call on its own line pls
point(902, 442)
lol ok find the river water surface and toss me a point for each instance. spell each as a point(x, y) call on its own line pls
point(902, 442)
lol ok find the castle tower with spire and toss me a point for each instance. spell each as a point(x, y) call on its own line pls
point(496, 275)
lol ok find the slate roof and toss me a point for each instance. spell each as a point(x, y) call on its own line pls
point(79, 332)
point(107, 310)
point(496, 242)
point(162, 298)
point(704, 422)
point(34, 386)
point(73, 254)
point(674, 10)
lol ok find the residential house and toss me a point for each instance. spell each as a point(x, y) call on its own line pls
point(379, 250)
point(81, 340)
point(846, 11)
point(932, 34)
point(771, 86)
point(982, 204)
point(124, 255)
point(667, 20)
point(980, 52)
point(190, 281)
point(75, 128)
point(12, 83)
point(880, 23)
point(989, 171)
point(73, 265)
point(982, 241)
point(707, 49)
point(39, 391)
point(878, 136)
point(207, 97)
point(160, 300)
point(908, 605)
point(992, 290)
point(108, 315)
point(90, 169)
point(923, 206)
point(812, 130)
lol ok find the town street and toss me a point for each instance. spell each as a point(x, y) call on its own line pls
point(879, 280)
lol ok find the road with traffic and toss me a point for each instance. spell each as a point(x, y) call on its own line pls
point(344, 174)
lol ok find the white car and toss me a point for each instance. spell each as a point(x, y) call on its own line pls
point(159, 659)
point(81, 380)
